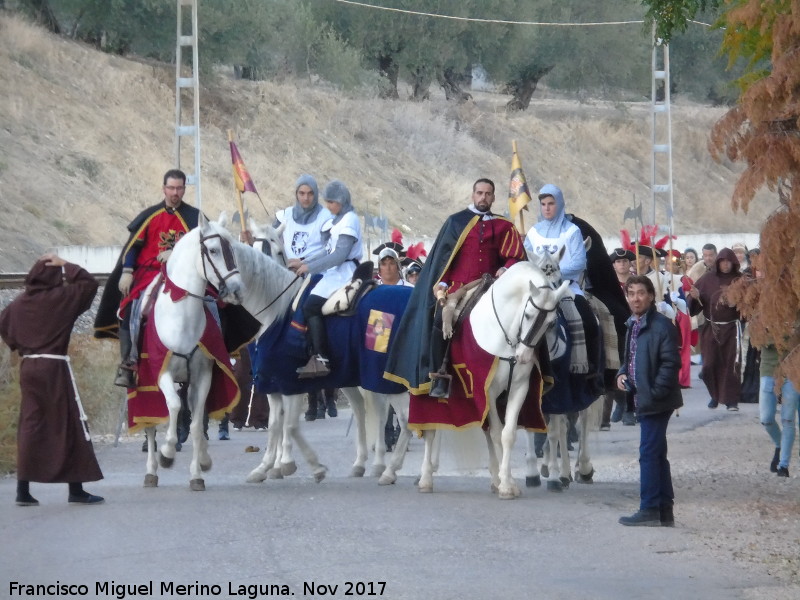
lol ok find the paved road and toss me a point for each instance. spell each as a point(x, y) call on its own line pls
point(349, 537)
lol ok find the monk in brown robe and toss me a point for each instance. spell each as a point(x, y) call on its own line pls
point(720, 336)
point(53, 443)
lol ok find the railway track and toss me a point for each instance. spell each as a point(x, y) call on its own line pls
point(10, 281)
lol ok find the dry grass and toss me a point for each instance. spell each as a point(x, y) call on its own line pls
point(93, 362)
point(87, 137)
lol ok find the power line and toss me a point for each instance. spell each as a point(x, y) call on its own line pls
point(495, 21)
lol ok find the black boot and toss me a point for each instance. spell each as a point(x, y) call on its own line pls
point(126, 371)
point(24, 497)
point(311, 413)
point(317, 365)
point(647, 517)
point(773, 466)
point(77, 495)
point(666, 516)
point(330, 402)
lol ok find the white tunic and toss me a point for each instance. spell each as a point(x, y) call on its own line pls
point(301, 241)
point(336, 277)
point(539, 244)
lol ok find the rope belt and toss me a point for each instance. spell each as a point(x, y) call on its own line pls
point(84, 418)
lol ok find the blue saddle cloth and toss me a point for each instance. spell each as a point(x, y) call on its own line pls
point(571, 392)
point(358, 347)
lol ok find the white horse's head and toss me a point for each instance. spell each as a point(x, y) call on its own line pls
point(269, 241)
point(217, 262)
point(549, 264)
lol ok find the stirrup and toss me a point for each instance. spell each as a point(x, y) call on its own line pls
point(126, 375)
point(315, 367)
point(440, 385)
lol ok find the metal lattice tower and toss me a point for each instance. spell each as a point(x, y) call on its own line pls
point(661, 182)
point(190, 85)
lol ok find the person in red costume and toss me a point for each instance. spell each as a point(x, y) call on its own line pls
point(154, 232)
point(471, 242)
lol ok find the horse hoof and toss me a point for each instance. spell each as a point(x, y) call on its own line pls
point(164, 461)
point(288, 468)
point(256, 476)
point(565, 481)
point(387, 479)
point(586, 478)
point(425, 489)
point(150, 480)
point(206, 466)
point(545, 471)
point(509, 494)
point(534, 481)
point(197, 485)
point(274, 473)
point(319, 475)
point(377, 470)
point(555, 486)
point(358, 472)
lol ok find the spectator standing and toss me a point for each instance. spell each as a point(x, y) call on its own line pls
point(649, 374)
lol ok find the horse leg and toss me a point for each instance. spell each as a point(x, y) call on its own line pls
point(151, 478)
point(584, 471)
point(266, 467)
point(556, 430)
point(198, 391)
point(293, 429)
point(167, 450)
point(425, 484)
point(532, 477)
point(292, 406)
point(358, 407)
point(380, 406)
point(565, 468)
point(400, 402)
point(516, 396)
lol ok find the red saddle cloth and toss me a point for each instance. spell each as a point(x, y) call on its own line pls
point(473, 370)
point(146, 404)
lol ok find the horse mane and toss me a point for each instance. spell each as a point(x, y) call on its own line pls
point(264, 280)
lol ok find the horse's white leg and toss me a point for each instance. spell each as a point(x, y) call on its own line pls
point(292, 406)
point(379, 404)
point(198, 391)
point(426, 472)
point(167, 450)
point(556, 441)
point(532, 476)
point(292, 429)
point(584, 471)
point(516, 396)
point(400, 402)
point(151, 478)
point(274, 436)
point(358, 407)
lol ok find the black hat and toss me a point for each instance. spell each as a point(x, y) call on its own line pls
point(413, 267)
point(396, 246)
point(621, 253)
point(651, 252)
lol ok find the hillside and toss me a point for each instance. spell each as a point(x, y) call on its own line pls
point(85, 138)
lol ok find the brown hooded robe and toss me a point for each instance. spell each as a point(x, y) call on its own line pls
point(51, 444)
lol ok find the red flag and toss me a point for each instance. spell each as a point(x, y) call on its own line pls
point(244, 183)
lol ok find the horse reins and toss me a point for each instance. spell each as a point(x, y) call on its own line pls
point(227, 255)
point(286, 289)
point(540, 317)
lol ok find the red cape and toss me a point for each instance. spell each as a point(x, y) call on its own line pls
point(146, 404)
point(473, 370)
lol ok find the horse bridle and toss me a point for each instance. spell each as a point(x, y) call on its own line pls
point(227, 256)
point(537, 323)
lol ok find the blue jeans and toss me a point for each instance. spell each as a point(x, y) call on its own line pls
point(655, 488)
point(768, 407)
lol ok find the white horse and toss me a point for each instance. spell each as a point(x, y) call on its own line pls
point(271, 288)
point(556, 461)
point(200, 257)
point(507, 322)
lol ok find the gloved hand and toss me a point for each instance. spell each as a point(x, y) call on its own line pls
point(665, 309)
point(164, 255)
point(125, 281)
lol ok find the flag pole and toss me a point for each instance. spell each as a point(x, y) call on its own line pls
point(239, 202)
point(521, 216)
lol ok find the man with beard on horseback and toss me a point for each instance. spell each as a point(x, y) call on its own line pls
point(471, 243)
point(153, 234)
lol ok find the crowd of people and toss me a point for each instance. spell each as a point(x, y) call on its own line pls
point(672, 306)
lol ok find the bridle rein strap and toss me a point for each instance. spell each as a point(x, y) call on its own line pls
point(227, 255)
point(541, 315)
